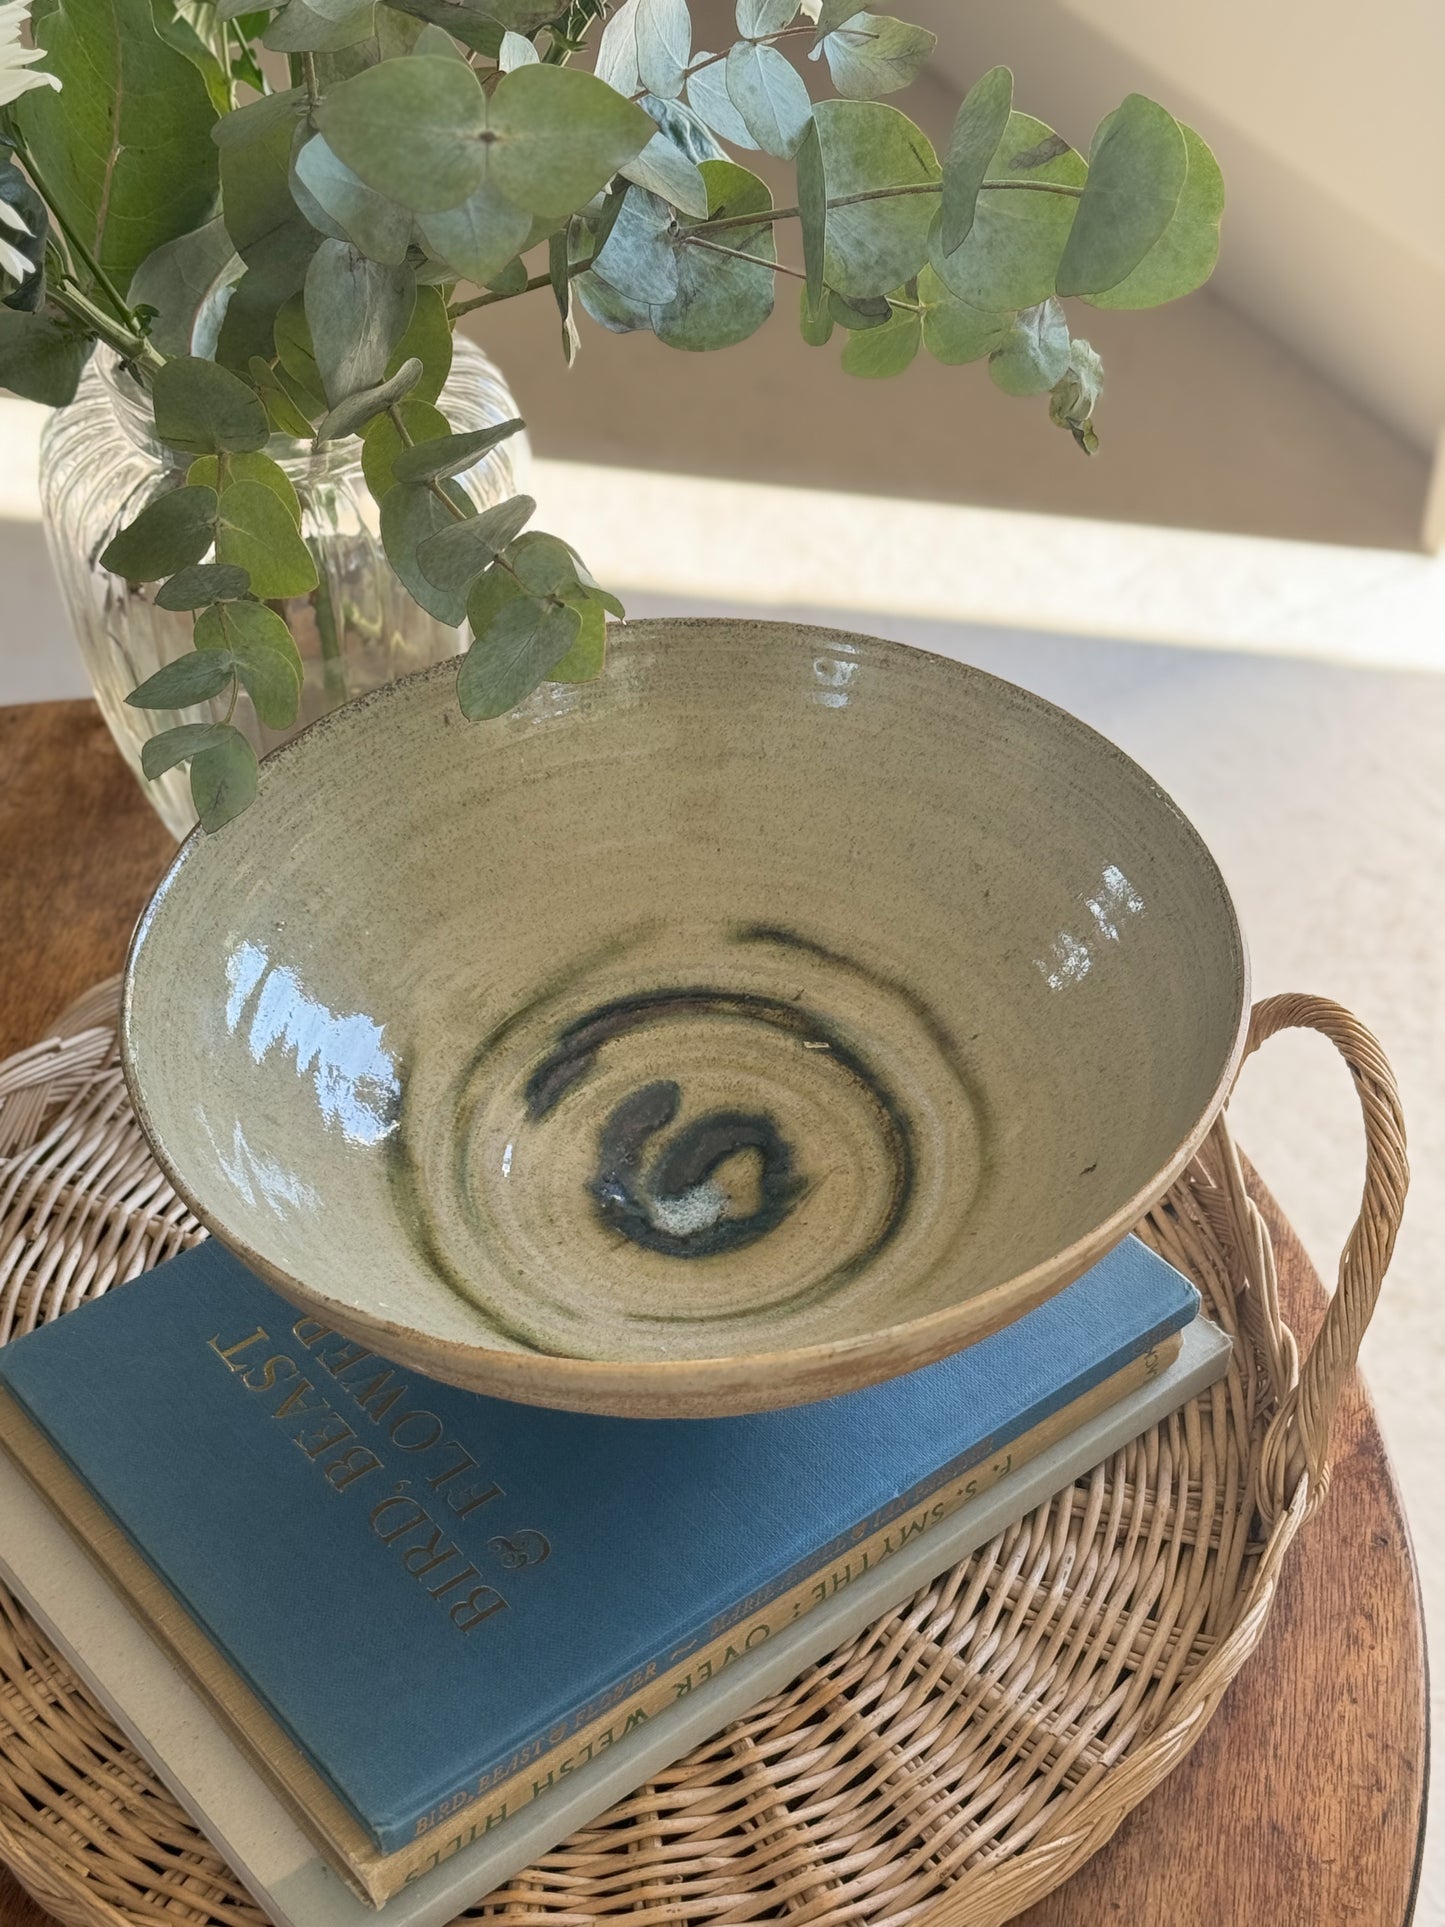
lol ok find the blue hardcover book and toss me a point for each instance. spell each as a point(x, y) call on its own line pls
point(419, 1607)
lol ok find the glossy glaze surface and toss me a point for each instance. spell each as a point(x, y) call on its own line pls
point(779, 1012)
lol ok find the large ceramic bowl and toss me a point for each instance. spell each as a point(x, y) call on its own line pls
point(777, 1013)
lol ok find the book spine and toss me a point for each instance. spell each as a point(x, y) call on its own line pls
point(475, 1811)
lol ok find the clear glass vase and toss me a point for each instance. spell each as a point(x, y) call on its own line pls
point(100, 463)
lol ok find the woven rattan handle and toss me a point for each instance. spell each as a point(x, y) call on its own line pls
point(1297, 1442)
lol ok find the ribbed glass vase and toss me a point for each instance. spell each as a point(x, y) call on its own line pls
point(100, 463)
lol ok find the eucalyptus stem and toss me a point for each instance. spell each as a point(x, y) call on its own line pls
point(132, 347)
point(764, 216)
point(311, 81)
point(490, 299)
point(737, 254)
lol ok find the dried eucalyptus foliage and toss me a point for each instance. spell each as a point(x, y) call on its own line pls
point(424, 146)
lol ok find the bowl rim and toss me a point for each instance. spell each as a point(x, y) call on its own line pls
point(639, 1384)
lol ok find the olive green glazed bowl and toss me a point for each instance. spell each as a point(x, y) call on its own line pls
point(777, 1013)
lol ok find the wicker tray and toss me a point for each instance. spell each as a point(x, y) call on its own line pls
point(967, 1753)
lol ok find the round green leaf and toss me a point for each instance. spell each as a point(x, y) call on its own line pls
point(879, 352)
point(410, 512)
point(172, 746)
point(758, 18)
point(545, 565)
point(411, 128)
point(223, 780)
point(428, 338)
point(479, 236)
point(381, 443)
point(814, 324)
point(871, 54)
point(351, 416)
point(254, 530)
point(264, 653)
point(379, 226)
point(874, 246)
point(175, 529)
point(558, 135)
point(201, 583)
point(1183, 257)
point(720, 299)
point(292, 336)
point(201, 407)
point(707, 92)
point(813, 216)
point(182, 280)
point(588, 654)
point(453, 558)
point(666, 171)
point(357, 311)
point(639, 256)
point(282, 411)
point(520, 647)
point(664, 45)
point(1011, 255)
point(954, 332)
point(770, 96)
point(1137, 167)
point(303, 28)
point(248, 468)
point(41, 358)
point(980, 126)
point(1035, 354)
point(193, 678)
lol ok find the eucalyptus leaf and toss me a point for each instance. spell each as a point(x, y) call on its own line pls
point(124, 148)
point(814, 323)
point(585, 659)
point(829, 16)
point(291, 334)
point(275, 271)
point(721, 299)
point(954, 332)
point(357, 311)
point(516, 652)
point(770, 96)
point(381, 443)
point(516, 51)
point(1011, 256)
point(449, 455)
point(980, 126)
point(200, 408)
point(558, 135)
point(1183, 257)
point(199, 584)
point(351, 416)
point(478, 236)
point(380, 227)
point(223, 780)
point(707, 91)
point(40, 358)
point(302, 28)
point(264, 652)
point(1137, 168)
point(259, 120)
point(610, 308)
point(758, 18)
point(616, 62)
point(254, 531)
point(170, 532)
point(663, 168)
point(192, 678)
point(285, 416)
point(639, 258)
point(1035, 354)
point(872, 54)
point(172, 746)
point(664, 45)
point(685, 128)
point(183, 281)
point(545, 565)
point(412, 128)
point(1076, 394)
point(880, 352)
point(874, 246)
point(410, 513)
point(473, 22)
point(861, 312)
point(559, 272)
point(454, 557)
point(205, 473)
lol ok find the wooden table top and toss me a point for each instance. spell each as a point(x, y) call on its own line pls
point(1303, 1803)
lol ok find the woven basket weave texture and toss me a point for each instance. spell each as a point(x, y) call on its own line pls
point(956, 1761)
